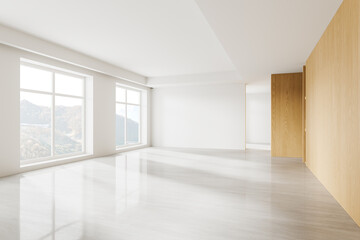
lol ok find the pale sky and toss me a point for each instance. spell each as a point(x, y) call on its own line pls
point(41, 80)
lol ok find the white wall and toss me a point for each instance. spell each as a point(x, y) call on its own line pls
point(258, 114)
point(103, 109)
point(9, 111)
point(199, 116)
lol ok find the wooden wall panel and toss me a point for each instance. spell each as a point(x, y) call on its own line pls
point(286, 115)
point(333, 108)
point(304, 113)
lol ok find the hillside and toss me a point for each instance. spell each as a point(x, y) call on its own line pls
point(35, 138)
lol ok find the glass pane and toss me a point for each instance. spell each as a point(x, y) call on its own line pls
point(133, 97)
point(35, 125)
point(120, 94)
point(35, 79)
point(65, 84)
point(133, 124)
point(120, 124)
point(68, 125)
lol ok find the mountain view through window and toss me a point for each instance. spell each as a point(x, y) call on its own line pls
point(51, 114)
point(128, 106)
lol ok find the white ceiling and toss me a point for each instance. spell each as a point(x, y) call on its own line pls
point(268, 36)
point(149, 37)
point(180, 37)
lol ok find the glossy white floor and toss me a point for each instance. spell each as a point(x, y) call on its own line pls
point(173, 194)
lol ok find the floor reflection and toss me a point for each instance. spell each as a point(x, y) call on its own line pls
point(165, 194)
point(57, 203)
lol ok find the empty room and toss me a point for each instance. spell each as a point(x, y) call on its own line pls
point(180, 120)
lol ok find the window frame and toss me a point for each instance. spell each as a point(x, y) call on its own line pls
point(126, 88)
point(53, 95)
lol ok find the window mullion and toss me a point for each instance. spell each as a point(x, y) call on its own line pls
point(84, 118)
point(125, 120)
point(53, 117)
point(140, 121)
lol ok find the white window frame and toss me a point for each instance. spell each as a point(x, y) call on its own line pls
point(53, 94)
point(125, 120)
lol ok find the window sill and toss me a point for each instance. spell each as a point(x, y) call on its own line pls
point(54, 161)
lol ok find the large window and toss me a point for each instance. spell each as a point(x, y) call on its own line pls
point(52, 113)
point(128, 116)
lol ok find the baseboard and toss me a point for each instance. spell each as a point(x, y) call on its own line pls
point(257, 146)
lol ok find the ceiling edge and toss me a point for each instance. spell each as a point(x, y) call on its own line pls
point(30, 43)
point(195, 79)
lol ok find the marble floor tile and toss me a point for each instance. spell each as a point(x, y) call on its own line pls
point(166, 194)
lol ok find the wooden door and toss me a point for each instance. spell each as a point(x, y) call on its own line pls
point(286, 115)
